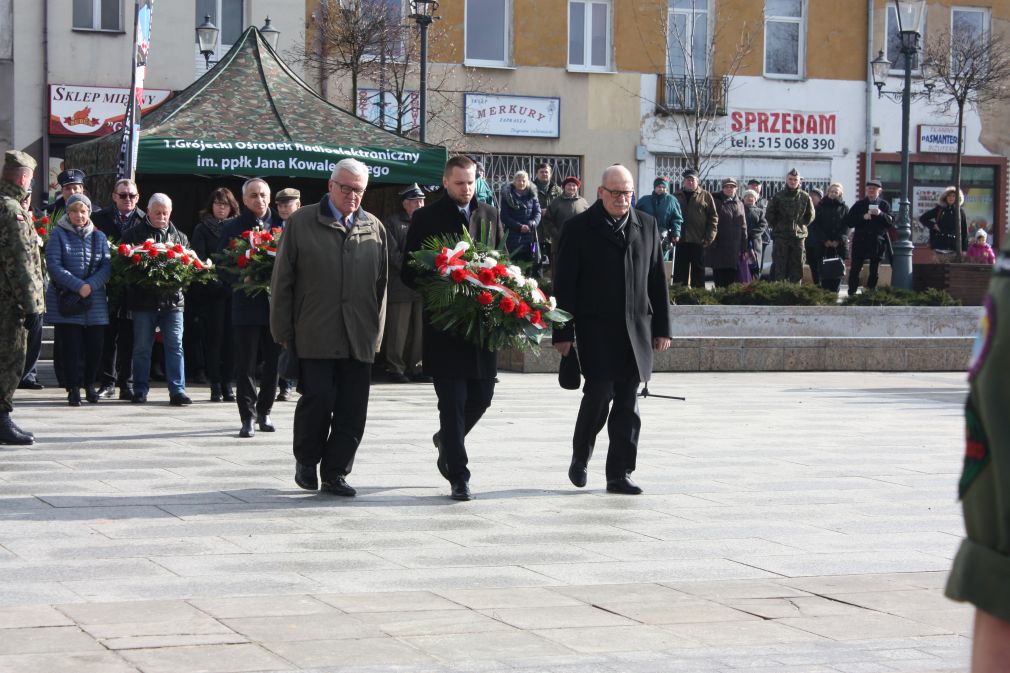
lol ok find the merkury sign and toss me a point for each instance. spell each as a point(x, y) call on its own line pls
point(76, 110)
point(776, 131)
point(527, 116)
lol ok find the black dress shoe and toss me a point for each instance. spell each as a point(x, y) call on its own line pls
point(443, 468)
point(137, 398)
point(21, 430)
point(127, 394)
point(91, 395)
point(227, 393)
point(305, 477)
point(74, 397)
point(11, 434)
point(247, 429)
point(339, 486)
point(283, 395)
point(396, 377)
point(578, 473)
point(108, 391)
point(421, 378)
point(624, 485)
point(180, 400)
point(263, 420)
point(460, 491)
point(215, 392)
point(31, 385)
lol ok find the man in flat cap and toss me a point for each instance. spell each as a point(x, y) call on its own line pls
point(402, 336)
point(21, 288)
point(288, 200)
point(71, 182)
point(871, 219)
point(789, 213)
point(701, 222)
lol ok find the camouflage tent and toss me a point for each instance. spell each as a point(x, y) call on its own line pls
point(251, 115)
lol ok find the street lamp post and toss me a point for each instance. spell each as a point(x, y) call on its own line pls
point(424, 14)
point(270, 34)
point(909, 14)
point(206, 37)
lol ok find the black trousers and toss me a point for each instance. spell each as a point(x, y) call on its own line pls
point(217, 347)
point(117, 352)
point(815, 255)
point(622, 420)
point(724, 277)
point(689, 264)
point(330, 414)
point(79, 344)
point(461, 403)
point(857, 265)
point(34, 326)
point(250, 341)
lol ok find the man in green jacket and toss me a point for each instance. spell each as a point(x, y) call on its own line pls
point(701, 222)
point(982, 565)
point(789, 212)
point(328, 306)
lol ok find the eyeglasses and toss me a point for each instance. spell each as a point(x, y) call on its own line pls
point(619, 193)
point(127, 195)
point(347, 189)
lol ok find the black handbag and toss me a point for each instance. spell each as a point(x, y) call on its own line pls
point(71, 303)
point(832, 268)
point(570, 370)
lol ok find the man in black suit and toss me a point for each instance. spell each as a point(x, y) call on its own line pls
point(610, 277)
point(464, 374)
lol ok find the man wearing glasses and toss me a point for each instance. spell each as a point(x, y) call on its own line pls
point(117, 349)
point(328, 296)
point(610, 277)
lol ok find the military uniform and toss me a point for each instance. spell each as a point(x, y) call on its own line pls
point(21, 292)
point(981, 571)
point(789, 212)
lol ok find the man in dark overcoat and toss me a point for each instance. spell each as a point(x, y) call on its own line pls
point(464, 374)
point(610, 277)
point(870, 219)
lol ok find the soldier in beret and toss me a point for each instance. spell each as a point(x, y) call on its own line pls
point(21, 288)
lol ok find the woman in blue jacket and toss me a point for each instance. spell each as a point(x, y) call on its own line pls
point(520, 213)
point(78, 262)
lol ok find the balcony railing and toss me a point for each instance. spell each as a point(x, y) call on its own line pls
point(692, 95)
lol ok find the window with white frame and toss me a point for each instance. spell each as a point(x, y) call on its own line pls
point(229, 18)
point(98, 15)
point(894, 54)
point(390, 40)
point(488, 32)
point(589, 34)
point(785, 38)
point(968, 24)
point(687, 38)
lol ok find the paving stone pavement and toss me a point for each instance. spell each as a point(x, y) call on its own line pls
point(792, 523)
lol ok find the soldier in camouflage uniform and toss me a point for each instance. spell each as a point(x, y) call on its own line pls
point(21, 288)
point(981, 571)
point(789, 212)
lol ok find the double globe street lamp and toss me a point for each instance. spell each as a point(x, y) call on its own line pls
point(207, 34)
point(909, 13)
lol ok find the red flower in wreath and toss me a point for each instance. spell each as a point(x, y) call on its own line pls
point(135, 259)
point(198, 264)
point(153, 252)
point(123, 249)
point(535, 317)
point(45, 219)
point(185, 260)
point(441, 260)
point(41, 231)
point(170, 254)
point(147, 245)
point(458, 275)
point(507, 305)
point(485, 298)
point(522, 309)
point(233, 243)
point(486, 276)
point(242, 262)
point(500, 270)
point(178, 249)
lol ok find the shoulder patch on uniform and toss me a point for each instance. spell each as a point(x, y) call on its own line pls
point(976, 449)
point(983, 337)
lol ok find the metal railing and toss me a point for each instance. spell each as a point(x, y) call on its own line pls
point(698, 95)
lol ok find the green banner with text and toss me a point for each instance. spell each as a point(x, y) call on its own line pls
point(287, 159)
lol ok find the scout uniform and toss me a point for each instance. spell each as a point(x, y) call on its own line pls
point(981, 571)
point(21, 292)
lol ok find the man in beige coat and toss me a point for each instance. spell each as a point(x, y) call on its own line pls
point(328, 296)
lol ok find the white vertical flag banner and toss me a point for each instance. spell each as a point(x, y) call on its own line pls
point(131, 122)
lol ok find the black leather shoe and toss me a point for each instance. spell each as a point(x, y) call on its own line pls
point(127, 394)
point(578, 472)
point(283, 395)
point(625, 486)
point(227, 393)
point(247, 429)
point(263, 420)
point(215, 393)
point(74, 397)
point(305, 477)
point(11, 434)
point(91, 395)
point(339, 486)
point(137, 398)
point(460, 491)
point(31, 385)
point(108, 391)
point(443, 468)
point(396, 377)
point(180, 400)
point(21, 430)
point(421, 378)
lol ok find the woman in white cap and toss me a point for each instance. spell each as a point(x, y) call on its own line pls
point(77, 258)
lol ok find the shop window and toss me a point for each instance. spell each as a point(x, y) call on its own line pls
point(894, 54)
point(98, 15)
point(488, 32)
point(589, 35)
point(785, 38)
point(933, 173)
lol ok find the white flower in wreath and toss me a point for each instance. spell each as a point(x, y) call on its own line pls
point(531, 283)
point(516, 273)
point(493, 253)
point(487, 263)
point(553, 303)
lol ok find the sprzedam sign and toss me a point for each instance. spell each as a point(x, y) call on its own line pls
point(783, 130)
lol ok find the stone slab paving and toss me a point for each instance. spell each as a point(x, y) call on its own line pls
point(792, 523)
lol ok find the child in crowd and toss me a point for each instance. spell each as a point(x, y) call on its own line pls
point(980, 252)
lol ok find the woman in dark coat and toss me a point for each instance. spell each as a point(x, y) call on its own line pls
point(723, 255)
point(520, 213)
point(940, 221)
point(827, 234)
point(211, 303)
point(77, 259)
